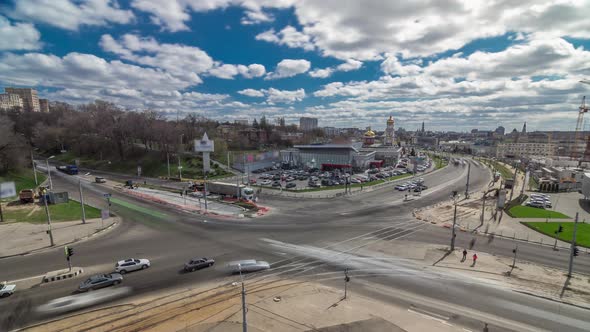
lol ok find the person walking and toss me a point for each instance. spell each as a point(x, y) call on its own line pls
point(464, 255)
point(474, 259)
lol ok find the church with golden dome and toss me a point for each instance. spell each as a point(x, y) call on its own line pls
point(388, 139)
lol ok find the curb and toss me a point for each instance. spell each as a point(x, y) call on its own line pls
point(35, 251)
point(63, 276)
point(551, 299)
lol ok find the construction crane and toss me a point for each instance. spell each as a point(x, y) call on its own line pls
point(582, 109)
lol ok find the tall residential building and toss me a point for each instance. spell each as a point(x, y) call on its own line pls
point(9, 101)
point(308, 124)
point(44, 105)
point(28, 96)
point(500, 130)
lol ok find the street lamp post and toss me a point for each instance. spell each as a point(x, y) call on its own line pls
point(453, 235)
point(82, 198)
point(244, 324)
point(205, 192)
point(49, 231)
point(49, 172)
point(34, 168)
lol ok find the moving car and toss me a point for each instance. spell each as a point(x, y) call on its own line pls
point(79, 301)
point(100, 281)
point(99, 179)
point(247, 265)
point(131, 264)
point(198, 263)
point(6, 290)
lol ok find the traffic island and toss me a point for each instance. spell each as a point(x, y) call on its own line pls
point(62, 274)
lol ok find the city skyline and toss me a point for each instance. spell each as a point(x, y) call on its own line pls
point(282, 60)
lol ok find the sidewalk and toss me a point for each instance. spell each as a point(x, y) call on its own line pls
point(21, 238)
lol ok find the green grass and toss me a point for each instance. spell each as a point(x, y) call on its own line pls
point(153, 164)
point(549, 228)
point(59, 212)
point(23, 179)
point(521, 211)
point(504, 171)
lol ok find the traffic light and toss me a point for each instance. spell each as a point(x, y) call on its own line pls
point(69, 251)
point(576, 251)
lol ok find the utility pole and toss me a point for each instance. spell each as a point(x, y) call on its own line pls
point(34, 168)
point(179, 169)
point(205, 194)
point(168, 163)
point(49, 172)
point(513, 183)
point(244, 323)
point(346, 280)
point(572, 248)
point(453, 235)
point(483, 208)
point(228, 168)
point(48, 218)
point(82, 201)
point(467, 184)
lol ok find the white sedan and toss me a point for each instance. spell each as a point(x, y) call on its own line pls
point(6, 290)
point(131, 264)
point(266, 182)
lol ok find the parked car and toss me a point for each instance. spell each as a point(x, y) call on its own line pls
point(354, 180)
point(276, 184)
point(100, 281)
point(198, 263)
point(535, 204)
point(247, 265)
point(6, 290)
point(99, 179)
point(27, 196)
point(401, 187)
point(291, 185)
point(314, 184)
point(266, 182)
point(131, 264)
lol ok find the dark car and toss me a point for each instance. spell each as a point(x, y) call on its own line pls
point(276, 177)
point(420, 188)
point(291, 185)
point(314, 184)
point(276, 184)
point(100, 281)
point(198, 263)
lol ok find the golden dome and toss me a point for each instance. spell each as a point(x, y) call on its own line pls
point(370, 133)
point(390, 120)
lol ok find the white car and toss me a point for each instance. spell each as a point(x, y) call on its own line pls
point(6, 290)
point(266, 182)
point(247, 265)
point(131, 264)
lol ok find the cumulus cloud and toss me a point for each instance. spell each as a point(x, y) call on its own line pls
point(392, 66)
point(349, 65)
point(289, 68)
point(321, 72)
point(251, 93)
point(289, 36)
point(70, 15)
point(18, 36)
point(228, 71)
point(275, 95)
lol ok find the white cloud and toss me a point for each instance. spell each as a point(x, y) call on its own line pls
point(18, 36)
point(275, 95)
point(289, 68)
point(256, 16)
point(228, 71)
point(392, 66)
point(253, 70)
point(321, 73)
point(349, 65)
point(70, 15)
point(224, 71)
point(251, 93)
point(289, 36)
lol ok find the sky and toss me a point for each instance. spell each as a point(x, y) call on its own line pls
point(456, 65)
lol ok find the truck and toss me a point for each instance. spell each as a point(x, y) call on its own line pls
point(230, 189)
point(27, 196)
point(69, 169)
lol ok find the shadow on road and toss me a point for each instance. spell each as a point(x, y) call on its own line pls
point(584, 204)
point(565, 285)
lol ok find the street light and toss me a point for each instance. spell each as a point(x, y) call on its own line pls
point(244, 324)
point(82, 198)
point(49, 172)
point(453, 235)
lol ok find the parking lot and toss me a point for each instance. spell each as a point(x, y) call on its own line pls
point(298, 179)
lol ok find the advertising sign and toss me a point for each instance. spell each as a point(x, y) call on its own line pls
point(204, 144)
point(7, 189)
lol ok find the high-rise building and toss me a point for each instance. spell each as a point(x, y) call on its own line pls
point(44, 105)
point(500, 130)
point(308, 124)
point(524, 128)
point(28, 96)
point(10, 101)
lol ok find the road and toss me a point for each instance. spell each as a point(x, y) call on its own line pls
point(169, 238)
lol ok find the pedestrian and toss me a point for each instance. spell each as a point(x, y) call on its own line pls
point(464, 255)
point(474, 259)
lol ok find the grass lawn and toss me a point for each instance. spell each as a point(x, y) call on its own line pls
point(59, 212)
point(153, 164)
point(24, 179)
point(549, 228)
point(521, 211)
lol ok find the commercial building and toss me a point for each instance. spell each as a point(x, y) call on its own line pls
point(525, 150)
point(308, 124)
point(28, 96)
point(44, 105)
point(346, 157)
point(10, 101)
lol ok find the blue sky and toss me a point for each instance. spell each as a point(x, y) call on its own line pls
point(455, 65)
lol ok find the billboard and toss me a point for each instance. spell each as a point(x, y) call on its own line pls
point(204, 144)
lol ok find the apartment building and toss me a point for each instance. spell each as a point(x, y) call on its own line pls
point(10, 101)
point(29, 98)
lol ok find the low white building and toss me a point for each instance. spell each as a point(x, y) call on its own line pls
point(526, 150)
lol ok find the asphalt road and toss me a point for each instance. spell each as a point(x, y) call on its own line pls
point(169, 238)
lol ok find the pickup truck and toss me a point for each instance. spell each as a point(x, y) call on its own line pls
point(27, 196)
point(6, 290)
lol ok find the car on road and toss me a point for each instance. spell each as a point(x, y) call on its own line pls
point(131, 264)
point(100, 281)
point(99, 179)
point(6, 290)
point(401, 187)
point(247, 265)
point(198, 263)
point(291, 185)
point(420, 188)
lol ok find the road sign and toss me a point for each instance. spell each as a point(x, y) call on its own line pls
point(7, 189)
point(107, 195)
point(104, 214)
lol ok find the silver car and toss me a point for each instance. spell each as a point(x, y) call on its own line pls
point(6, 290)
point(247, 265)
point(100, 281)
point(131, 264)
